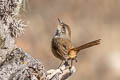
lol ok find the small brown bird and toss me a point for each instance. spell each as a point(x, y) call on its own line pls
point(62, 47)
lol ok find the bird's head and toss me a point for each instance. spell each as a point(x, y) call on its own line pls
point(63, 29)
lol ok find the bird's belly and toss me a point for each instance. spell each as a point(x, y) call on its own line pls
point(56, 54)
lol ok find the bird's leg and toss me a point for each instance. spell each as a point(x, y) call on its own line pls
point(75, 59)
point(60, 64)
point(66, 62)
point(71, 63)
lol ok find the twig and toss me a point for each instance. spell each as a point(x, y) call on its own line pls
point(63, 72)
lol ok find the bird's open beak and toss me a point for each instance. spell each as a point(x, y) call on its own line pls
point(60, 22)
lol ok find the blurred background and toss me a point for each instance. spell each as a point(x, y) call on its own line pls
point(89, 20)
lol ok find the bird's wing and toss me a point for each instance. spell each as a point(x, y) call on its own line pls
point(63, 46)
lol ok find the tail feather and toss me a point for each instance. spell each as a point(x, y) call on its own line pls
point(87, 45)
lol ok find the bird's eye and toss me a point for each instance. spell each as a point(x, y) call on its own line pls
point(63, 27)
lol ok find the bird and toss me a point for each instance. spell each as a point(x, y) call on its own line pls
point(62, 47)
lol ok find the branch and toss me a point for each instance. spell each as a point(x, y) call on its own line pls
point(62, 73)
point(19, 65)
point(15, 64)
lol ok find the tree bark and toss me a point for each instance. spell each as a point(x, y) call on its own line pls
point(15, 64)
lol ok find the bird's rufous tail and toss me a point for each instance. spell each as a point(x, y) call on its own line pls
point(87, 45)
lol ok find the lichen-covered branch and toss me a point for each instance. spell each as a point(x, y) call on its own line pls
point(15, 64)
point(19, 65)
point(62, 73)
point(10, 26)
